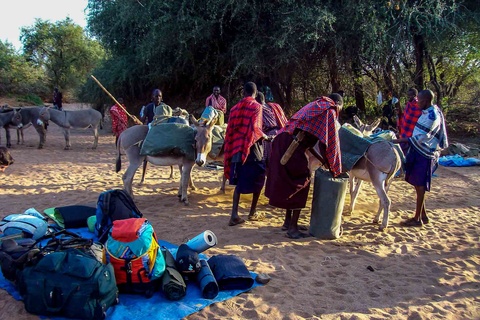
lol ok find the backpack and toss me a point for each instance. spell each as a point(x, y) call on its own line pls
point(115, 204)
point(133, 250)
point(15, 254)
point(23, 226)
point(68, 283)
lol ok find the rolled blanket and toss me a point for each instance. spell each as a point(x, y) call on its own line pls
point(230, 272)
point(173, 285)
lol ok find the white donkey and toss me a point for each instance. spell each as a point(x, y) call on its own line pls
point(130, 140)
point(378, 166)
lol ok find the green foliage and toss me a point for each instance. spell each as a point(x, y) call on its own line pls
point(301, 49)
point(61, 49)
point(31, 99)
point(18, 76)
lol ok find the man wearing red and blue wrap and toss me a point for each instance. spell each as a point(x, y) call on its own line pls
point(243, 151)
point(288, 185)
point(410, 116)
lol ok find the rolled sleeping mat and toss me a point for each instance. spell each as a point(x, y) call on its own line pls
point(207, 282)
point(203, 241)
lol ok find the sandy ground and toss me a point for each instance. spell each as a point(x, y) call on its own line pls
point(418, 273)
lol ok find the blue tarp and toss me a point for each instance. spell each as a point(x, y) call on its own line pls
point(458, 161)
point(137, 307)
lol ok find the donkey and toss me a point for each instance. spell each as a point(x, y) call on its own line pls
point(82, 119)
point(36, 116)
point(131, 139)
point(8, 117)
point(378, 166)
point(374, 168)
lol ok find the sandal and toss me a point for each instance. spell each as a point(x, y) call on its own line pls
point(256, 217)
point(232, 223)
point(412, 222)
point(301, 228)
point(299, 235)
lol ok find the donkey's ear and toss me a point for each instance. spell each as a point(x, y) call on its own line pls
point(212, 122)
point(376, 124)
point(193, 120)
point(357, 121)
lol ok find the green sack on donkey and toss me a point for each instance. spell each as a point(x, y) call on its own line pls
point(169, 139)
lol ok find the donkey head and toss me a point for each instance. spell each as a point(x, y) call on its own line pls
point(366, 129)
point(203, 139)
point(16, 119)
point(44, 114)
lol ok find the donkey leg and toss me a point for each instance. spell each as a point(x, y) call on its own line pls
point(42, 133)
point(127, 177)
point(355, 185)
point(191, 185)
point(20, 139)
point(66, 134)
point(190, 182)
point(171, 172)
point(224, 181)
point(144, 170)
point(95, 138)
point(384, 202)
point(184, 180)
point(7, 136)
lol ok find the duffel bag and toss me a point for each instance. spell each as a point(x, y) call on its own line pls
point(68, 283)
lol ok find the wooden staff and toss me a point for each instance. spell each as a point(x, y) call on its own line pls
point(135, 119)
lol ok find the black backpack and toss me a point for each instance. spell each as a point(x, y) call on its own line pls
point(115, 204)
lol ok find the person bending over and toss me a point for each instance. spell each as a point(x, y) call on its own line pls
point(288, 185)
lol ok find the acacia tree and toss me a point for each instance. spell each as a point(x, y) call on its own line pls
point(299, 48)
point(62, 50)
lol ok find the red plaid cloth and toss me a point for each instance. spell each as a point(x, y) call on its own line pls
point(318, 118)
point(279, 115)
point(119, 120)
point(219, 103)
point(410, 117)
point(243, 130)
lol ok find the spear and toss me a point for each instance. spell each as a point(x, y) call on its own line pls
point(135, 119)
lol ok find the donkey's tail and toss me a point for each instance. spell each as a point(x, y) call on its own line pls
point(118, 163)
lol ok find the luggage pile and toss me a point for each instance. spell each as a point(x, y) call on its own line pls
point(60, 273)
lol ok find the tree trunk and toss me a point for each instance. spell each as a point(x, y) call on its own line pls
point(419, 48)
point(433, 78)
point(358, 86)
point(387, 75)
point(333, 69)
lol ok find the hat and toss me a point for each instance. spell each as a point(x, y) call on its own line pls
point(187, 260)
